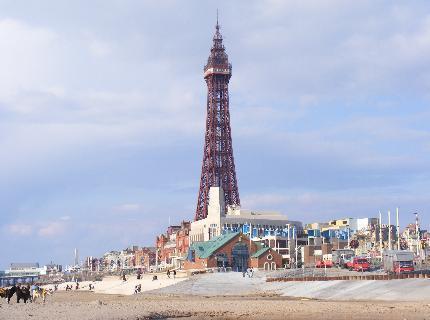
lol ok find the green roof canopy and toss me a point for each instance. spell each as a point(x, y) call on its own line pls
point(259, 252)
point(205, 249)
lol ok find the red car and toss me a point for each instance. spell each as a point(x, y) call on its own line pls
point(324, 264)
point(360, 264)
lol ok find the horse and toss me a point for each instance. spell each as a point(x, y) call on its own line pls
point(21, 293)
point(4, 292)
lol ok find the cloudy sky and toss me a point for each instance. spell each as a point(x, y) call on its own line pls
point(102, 109)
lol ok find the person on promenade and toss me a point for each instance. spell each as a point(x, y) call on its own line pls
point(250, 272)
point(123, 277)
point(168, 274)
point(174, 274)
point(137, 288)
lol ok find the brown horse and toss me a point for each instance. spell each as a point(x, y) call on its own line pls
point(21, 293)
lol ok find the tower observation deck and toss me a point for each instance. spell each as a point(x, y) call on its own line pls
point(218, 168)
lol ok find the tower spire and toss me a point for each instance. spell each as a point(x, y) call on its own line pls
point(218, 169)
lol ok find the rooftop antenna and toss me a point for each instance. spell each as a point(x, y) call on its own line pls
point(217, 24)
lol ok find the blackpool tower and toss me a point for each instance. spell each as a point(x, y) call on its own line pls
point(218, 163)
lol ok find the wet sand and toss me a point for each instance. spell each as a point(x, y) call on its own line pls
point(90, 305)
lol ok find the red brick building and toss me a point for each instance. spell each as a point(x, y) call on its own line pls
point(231, 250)
point(182, 239)
point(174, 243)
point(267, 259)
point(144, 258)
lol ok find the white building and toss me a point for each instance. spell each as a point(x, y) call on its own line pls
point(25, 269)
point(272, 228)
point(362, 224)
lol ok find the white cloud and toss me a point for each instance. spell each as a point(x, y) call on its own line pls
point(19, 229)
point(51, 229)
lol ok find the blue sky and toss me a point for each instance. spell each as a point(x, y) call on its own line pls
point(102, 109)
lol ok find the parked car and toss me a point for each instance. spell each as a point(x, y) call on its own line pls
point(360, 264)
point(324, 264)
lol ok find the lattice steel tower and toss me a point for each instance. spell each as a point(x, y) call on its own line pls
point(218, 163)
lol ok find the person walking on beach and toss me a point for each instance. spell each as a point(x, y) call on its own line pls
point(137, 288)
point(168, 274)
point(174, 274)
point(33, 290)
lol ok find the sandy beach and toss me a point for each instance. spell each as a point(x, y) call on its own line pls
point(114, 285)
point(224, 296)
point(85, 305)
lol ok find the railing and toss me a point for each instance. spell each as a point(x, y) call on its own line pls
point(313, 274)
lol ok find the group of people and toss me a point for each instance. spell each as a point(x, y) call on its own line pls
point(77, 286)
point(248, 272)
point(173, 272)
point(25, 293)
point(70, 288)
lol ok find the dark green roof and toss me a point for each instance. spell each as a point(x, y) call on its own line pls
point(205, 249)
point(260, 252)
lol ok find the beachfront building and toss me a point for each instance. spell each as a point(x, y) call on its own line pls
point(172, 246)
point(271, 229)
point(144, 258)
point(91, 264)
point(53, 269)
point(110, 261)
point(318, 233)
point(22, 272)
point(231, 251)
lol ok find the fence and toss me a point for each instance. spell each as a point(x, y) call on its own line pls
point(322, 275)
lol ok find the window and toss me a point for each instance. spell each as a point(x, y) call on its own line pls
point(269, 257)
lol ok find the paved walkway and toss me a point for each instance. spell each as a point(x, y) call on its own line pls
point(233, 283)
point(214, 284)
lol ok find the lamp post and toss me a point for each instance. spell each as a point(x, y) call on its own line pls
point(389, 230)
point(417, 233)
point(380, 233)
